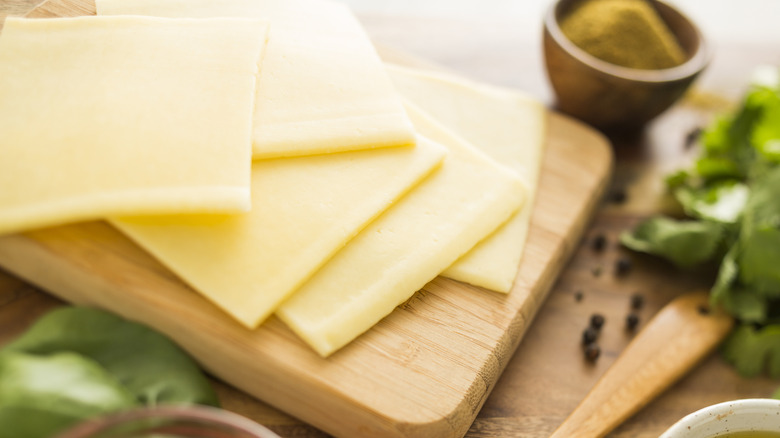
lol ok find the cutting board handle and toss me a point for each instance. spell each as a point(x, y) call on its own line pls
point(681, 334)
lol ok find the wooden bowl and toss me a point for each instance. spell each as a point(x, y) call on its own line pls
point(610, 96)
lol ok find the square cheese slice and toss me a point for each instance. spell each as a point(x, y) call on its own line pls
point(507, 125)
point(304, 210)
point(407, 246)
point(104, 116)
point(322, 87)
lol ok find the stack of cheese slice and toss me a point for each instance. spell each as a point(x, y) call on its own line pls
point(509, 127)
point(308, 187)
point(303, 210)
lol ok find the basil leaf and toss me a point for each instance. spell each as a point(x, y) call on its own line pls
point(41, 395)
point(684, 243)
point(149, 365)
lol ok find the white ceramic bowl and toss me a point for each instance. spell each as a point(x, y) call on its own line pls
point(756, 414)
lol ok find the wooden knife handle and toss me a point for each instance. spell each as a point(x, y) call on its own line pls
point(682, 333)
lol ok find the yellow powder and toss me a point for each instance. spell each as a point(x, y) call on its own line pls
point(629, 33)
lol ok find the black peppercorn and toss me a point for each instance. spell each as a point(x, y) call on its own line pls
point(597, 321)
point(618, 196)
point(592, 352)
point(578, 296)
point(599, 243)
point(622, 266)
point(589, 336)
point(692, 137)
point(637, 301)
point(596, 271)
point(632, 320)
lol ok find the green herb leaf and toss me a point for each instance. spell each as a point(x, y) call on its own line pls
point(41, 395)
point(149, 365)
point(684, 243)
point(28, 422)
point(760, 264)
point(733, 188)
point(677, 179)
point(766, 135)
point(714, 168)
point(719, 202)
point(760, 237)
point(753, 350)
point(739, 301)
point(728, 147)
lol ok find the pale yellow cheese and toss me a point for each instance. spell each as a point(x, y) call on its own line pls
point(304, 210)
point(507, 125)
point(322, 87)
point(118, 115)
point(407, 246)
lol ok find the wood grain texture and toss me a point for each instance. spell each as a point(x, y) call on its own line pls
point(425, 370)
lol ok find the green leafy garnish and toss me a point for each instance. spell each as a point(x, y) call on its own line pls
point(760, 237)
point(720, 202)
point(40, 395)
point(752, 351)
point(77, 362)
point(684, 243)
point(733, 297)
point(731, 196)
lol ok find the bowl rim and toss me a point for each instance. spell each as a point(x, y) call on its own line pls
point(695, 64)
point(190, 412)
point(704, 416)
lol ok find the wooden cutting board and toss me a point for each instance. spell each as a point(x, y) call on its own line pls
point(423, 371)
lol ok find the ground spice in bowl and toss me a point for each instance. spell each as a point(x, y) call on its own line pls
point(629, 33)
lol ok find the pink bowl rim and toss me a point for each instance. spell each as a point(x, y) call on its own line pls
point(186, 412)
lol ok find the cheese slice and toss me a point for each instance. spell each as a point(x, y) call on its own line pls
point(406, 247)
point(304, 210)
point(124, 115)
point(507, 125)
point(322, 87)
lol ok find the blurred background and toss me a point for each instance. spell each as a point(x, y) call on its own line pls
point(484, 31)
point(474, 37)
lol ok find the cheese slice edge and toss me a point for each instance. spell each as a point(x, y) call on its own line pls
point(304, 210)
point(507, 125)
point(81, 156)
point(406, 247)
point(322, 88)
